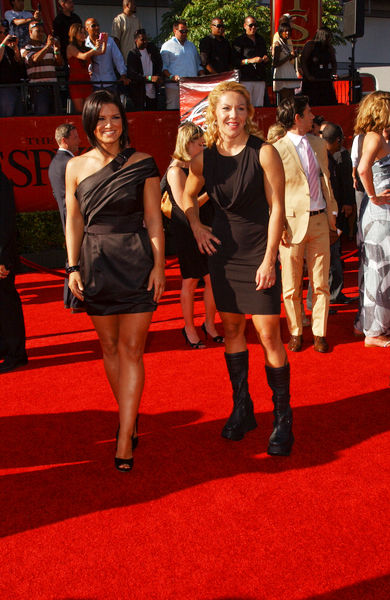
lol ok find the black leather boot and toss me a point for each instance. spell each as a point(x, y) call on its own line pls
point(282, 438)
point(242, 418)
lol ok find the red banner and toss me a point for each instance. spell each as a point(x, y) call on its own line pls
point(307, 18)
point(194, 92)
point(27, 145)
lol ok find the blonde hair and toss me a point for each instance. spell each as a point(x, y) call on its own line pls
point(188, 132)
point(373, 113)
point(212, 133)
point(275, 132)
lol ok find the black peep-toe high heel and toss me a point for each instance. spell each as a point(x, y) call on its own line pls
point(134, 438)
point(120, 462)
point(218, 339)
point(193, 345)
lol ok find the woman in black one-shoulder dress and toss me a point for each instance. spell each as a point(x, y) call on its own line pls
point(244, 179)
point(116, 262)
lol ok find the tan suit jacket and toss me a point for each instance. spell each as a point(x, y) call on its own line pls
point(297, 193)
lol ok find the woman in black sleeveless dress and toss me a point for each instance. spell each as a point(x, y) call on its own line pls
point(193, 264)
point(110, 192)
point(244, 178)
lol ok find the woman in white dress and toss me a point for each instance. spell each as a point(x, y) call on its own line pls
point(284, 64)
point(374, 170)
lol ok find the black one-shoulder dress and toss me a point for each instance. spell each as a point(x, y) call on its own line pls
point(235, 186)
point(116, 256)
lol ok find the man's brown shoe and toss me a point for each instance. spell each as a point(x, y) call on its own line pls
point(320, 344)
point(295, 343)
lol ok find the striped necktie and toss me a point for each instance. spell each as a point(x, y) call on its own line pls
point(313, 179)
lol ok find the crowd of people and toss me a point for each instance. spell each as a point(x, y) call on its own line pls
point(75, 58)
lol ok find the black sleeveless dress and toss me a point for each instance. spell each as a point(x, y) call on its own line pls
point(116, 256)
point(193, 264)
point(236, 188)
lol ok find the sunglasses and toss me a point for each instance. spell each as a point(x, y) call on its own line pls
point(252, 25)
point(183, 30)
point(219, 26)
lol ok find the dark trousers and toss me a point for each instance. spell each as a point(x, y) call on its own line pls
point(12, 331)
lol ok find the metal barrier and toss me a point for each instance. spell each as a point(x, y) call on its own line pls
point(55, 94)
point(347, 92)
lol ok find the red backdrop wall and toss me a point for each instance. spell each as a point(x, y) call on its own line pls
point(27, 146)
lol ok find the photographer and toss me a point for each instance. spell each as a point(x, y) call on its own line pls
point(41, 59)
point(11, 72)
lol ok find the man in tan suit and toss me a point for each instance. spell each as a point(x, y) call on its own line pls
point(310, 211)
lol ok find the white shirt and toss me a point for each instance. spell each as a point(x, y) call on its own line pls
point(315, 203)
point(66, 150)
point(180, 59)
point(147, 67)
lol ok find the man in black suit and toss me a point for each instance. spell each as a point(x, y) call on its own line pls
point(215, 51)
point(250, 56)
point(144, 69)
point(12, 331)
point(68, 142)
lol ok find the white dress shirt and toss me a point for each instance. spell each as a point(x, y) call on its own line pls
point(315, 203)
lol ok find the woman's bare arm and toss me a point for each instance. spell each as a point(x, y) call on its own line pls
point(372, 145)
point(177, 181)
point(195, 182)
point(72, 51)
point(74, 230)
point(153, 222)
point(274, 181)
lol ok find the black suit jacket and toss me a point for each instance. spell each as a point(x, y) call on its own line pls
point(8, 254)
point(136, 75)
point(57, 180)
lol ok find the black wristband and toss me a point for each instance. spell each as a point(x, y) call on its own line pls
point(72, 269)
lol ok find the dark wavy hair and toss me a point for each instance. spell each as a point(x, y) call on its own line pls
point(288, 108)
point(91, 112)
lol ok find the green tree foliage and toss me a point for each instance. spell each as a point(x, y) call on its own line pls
point(331, 14)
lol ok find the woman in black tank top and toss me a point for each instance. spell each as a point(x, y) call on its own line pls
point(244, 179)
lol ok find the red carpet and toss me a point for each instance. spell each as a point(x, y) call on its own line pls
point(199, 517)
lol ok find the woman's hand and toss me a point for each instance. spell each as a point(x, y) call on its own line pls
point(381, 199)
point(157, 280)
point(265, 275)
point(285, 240)
point(4, 272)
point(76, 285)
point(204, 238)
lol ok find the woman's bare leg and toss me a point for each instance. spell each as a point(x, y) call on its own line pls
point(123, 338)
point(107, 328)
point(234, 330)
point(133, 330)
point(188, 288)
point(210, 309)
point(268, 332)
